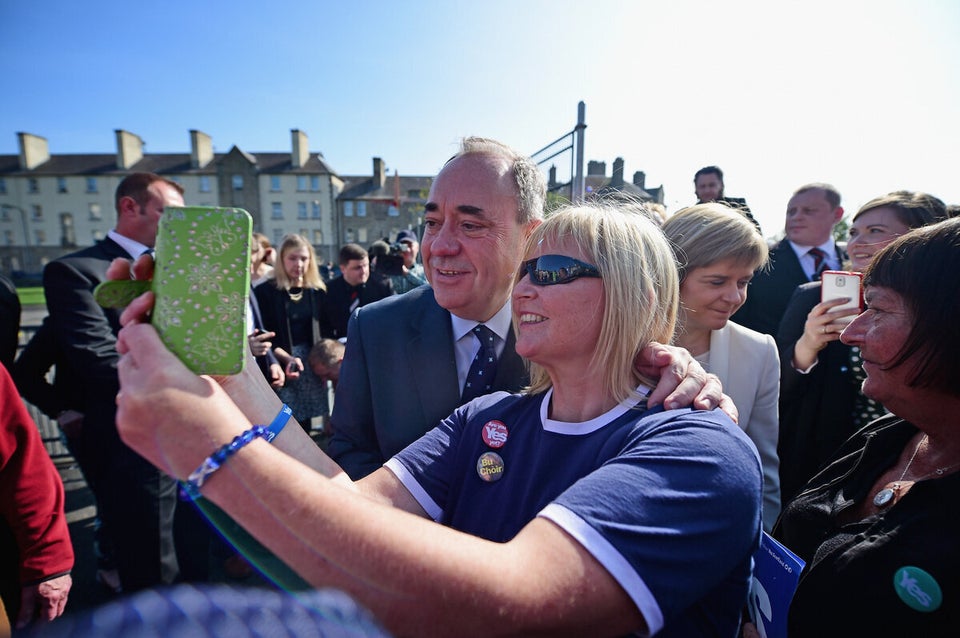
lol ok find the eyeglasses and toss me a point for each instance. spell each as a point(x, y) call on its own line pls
point(547, 270)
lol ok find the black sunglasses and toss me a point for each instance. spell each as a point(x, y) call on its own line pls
point(547, 270)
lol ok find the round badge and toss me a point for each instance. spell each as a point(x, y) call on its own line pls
point(917, 589)
point(495, 434)
point(490, 467)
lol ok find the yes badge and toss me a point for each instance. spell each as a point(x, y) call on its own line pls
point(495, 434)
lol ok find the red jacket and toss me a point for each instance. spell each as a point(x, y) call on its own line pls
point(31, 492)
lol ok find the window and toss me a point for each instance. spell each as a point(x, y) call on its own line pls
point(40, 237)
point(318, 237)
point(61, 184)
point(392, 211)
point(414, 194)
point(276, 210)
point(348, 236)
point(361, 209)
point(304, 233)
point(92, 185)
point(301, 182)
point(348, 209)
point(274, 183)
point(36, 213)
point(237, 182)
point(32, 185)
point(8, 237)
point(68, 235)
point(362, 235)
point(315, 183)
point(301, 210)
point(3, 186)
point(95, 214)
point(4, 214)
point(315, 212)
point(277, 238)
point(204, 183)
point(96, 234)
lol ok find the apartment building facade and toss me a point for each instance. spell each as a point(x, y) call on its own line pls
point(52, 204)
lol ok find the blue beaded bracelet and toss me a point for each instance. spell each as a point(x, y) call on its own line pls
point(191, 487)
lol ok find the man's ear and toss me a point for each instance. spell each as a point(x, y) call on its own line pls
point(838, 214)
point(128, 207)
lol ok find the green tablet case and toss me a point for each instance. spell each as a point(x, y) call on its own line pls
point(202, 281)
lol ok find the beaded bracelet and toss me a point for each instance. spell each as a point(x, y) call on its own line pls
point(213, 462)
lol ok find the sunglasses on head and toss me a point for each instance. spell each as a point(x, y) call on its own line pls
point(547, 270)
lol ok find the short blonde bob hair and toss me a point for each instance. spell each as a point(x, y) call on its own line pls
point(311, 278)
point(640, 283)
point(704, 234)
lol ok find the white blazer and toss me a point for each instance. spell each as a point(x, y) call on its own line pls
point(749, 369)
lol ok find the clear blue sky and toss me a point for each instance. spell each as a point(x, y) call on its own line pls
point(863, 94)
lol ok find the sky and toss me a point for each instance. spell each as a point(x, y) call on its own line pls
point(864, 95)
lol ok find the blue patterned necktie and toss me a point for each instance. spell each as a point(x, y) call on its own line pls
point(819, 262)
point(484, 366)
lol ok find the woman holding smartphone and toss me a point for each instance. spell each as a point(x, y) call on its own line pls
point(820, 377)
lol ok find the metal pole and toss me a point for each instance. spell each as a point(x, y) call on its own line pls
point(579, 179)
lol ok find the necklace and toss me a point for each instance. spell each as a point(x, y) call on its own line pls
point(887, 495)
point(295, 296)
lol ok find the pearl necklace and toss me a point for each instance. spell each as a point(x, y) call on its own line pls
point(888, 494)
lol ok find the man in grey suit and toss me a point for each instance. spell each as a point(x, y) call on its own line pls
point(812, 212)
point(135, 500)
point(408, 357)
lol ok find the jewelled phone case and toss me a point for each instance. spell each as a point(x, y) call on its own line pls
point(201, 280)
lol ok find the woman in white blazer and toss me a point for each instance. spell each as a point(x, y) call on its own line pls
point(718, 250)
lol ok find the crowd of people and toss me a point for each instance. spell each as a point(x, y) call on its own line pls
point(581, 422)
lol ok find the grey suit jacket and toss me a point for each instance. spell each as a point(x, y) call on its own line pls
point(399, 379)
point(749, 369)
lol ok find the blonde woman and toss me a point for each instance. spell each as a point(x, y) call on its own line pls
point(718, 250)
point(570, 508)
point(291, 304)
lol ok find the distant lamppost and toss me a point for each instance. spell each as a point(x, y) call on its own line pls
point(26, 236)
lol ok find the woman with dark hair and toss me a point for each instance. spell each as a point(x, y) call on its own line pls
point(820, 377)
point(878, 526)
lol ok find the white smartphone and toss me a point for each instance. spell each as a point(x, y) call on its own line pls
point(837, 284)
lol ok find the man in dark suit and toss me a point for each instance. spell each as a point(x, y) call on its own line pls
point(9, 322)
point(708, 186)
point(135, 499)
point(408, 357)
point(353, 288)
point(807, 250)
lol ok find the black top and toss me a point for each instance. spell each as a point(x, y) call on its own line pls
point(896, 573)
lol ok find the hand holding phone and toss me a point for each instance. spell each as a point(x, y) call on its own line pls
point(839, 284)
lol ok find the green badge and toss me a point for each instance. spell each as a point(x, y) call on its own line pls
point(918, 589)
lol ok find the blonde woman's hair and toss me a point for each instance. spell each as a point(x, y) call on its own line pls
point(640, 284)
point(311, 278)
point(704, 234)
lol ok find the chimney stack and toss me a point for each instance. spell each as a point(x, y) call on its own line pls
point(129, 149)
point(617, 179)
point(640, 180)
point(301, 151)
point(596, 168)
point(379, 175)
point(201, 149)
point(34, 151)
